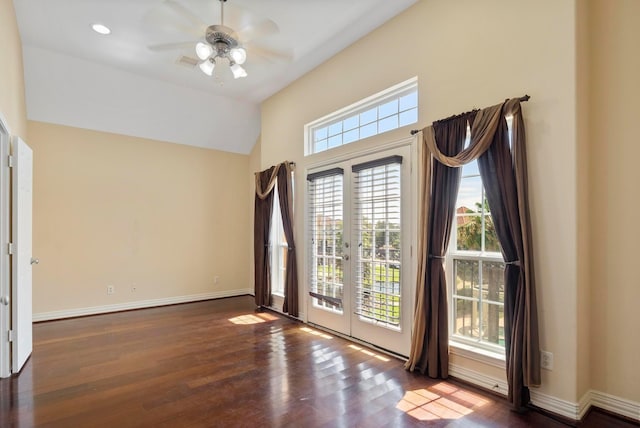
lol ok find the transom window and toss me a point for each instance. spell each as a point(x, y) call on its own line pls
point(387, 110)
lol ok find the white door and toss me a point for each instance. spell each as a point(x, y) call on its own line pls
point(360, 269)
point(21, 310)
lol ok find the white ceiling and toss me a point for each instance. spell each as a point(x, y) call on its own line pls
point(136, 91)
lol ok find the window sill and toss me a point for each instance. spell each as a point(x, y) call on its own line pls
point(484, 356)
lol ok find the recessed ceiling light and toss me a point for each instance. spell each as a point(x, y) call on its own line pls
point(101, 29)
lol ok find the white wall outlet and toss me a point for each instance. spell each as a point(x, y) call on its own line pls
point(546, 360)
point(111, 289)
point(134, 287)
point(216, 279)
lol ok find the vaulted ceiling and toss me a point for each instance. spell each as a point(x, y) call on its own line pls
point(116, 83)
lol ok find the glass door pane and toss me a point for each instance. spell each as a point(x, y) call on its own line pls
point(377, 234)
point(327, 280)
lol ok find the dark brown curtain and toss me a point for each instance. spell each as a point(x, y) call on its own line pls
point(261, 226)
point(285, 192)
point(498, 170)
point(450, 135)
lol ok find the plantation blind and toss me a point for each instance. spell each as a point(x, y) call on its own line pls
point(376, 227)
point(326, 231)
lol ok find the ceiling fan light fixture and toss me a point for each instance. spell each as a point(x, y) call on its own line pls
point(203, 50)
point(238, 55)
point(238, 71)
point(207, 67)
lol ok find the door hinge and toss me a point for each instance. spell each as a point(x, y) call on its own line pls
point(10, 161)
point(11, 336)
point(10, 249)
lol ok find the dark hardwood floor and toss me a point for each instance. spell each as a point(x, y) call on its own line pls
point(219, 363)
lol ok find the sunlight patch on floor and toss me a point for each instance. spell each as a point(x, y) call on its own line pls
point(246, 319)
point(267, 316)
point(440, 401)
point(369, 353)
point(315, 332)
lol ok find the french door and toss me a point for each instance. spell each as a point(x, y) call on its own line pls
point(359, 248)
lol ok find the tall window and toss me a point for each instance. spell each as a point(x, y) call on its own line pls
point(475, 268)
point(278, 247)
point(390, 109)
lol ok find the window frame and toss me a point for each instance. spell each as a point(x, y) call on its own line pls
point(478, 349)
point(276, 247)
point(381, 98)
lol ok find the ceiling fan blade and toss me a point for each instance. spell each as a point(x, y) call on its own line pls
point(172, 46)
point(188, 61)
point(165, 19)
point(185, 13)
point(264, 28)
point(269, 54)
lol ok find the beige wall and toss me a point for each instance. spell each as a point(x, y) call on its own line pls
point(470, 54)
point(254, 166)
point(12, 101)
point(614, 203)
point(583, 296)
point(123, 211)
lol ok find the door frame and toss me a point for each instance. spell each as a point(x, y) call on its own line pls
point(414, 169)
point(5, 266)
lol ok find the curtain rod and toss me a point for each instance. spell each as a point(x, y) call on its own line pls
point(292, 164)
point(523, 98)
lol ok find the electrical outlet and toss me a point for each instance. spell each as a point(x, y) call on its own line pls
point(216, 279)
point(546, 360)
point(134, 287)
point(111, 289)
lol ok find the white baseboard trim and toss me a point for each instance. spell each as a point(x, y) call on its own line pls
point(555, 405)
point(278, 309)
point(567, 409)
point(584, 405)
point(140, 304)
point(620, 406)
point(480, 379)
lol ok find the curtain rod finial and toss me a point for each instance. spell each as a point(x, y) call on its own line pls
point(522, 98)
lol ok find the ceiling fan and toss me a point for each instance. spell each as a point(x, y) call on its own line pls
point(221, 45)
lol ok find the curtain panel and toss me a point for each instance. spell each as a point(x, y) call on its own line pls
point(263, 205)
point(285, 191)
point(504, 174)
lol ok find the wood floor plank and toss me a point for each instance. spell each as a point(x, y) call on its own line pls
point(219, 363)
